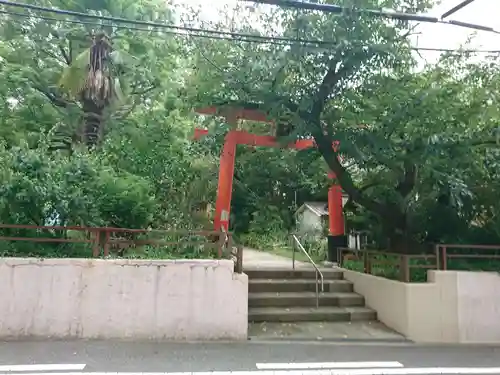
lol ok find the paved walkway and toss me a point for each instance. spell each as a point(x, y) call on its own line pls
point(255, 258)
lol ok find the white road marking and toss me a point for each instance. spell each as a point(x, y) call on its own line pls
point(358, 371)
point(43, 367)
point(326, 365)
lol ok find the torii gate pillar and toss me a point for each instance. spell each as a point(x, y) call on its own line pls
point(336, 237)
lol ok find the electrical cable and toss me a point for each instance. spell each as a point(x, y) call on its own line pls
point(133, 22)
point(238, 37)
point(456, 8)
point(338, 9)
point(295, 4)
point(259, 39)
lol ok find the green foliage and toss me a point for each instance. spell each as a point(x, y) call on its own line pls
point(93, 73)
point(419, 148)
point(146, 172)
point(415, 145)
point(38, 188)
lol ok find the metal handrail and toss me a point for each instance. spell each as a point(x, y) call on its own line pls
point(318, 272)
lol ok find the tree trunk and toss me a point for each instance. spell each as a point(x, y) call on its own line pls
point(399, 243)
point(92, 127)
point(399, 235)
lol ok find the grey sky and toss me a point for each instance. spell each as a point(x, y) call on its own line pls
point(484, 12)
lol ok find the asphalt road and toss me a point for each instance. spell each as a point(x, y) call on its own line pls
point(106, 356)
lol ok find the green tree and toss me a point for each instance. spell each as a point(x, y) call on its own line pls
point(94, 73)
point(405, 136)
point(144, 171)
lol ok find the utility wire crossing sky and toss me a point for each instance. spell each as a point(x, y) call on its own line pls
point(432, 36)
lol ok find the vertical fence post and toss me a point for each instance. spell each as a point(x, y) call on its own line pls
point(230, 243)
point(366, 262)
point(222, 239)
point(96, 246)
point(106, 243)
point(445, 258)
point(438, 261)
point(404, 268)
point(239, 259)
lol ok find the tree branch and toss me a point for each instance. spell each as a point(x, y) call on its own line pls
point(333, 76)
point(53, 55)
point(144, 91)
point(324, 145)
point(54, 99)
point(127, 112)
point(325, 88)
point(420, 147)
point(485, 142)
point(406, 185)
point(65, 55)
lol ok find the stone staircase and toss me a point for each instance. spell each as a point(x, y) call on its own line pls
point(281, 295)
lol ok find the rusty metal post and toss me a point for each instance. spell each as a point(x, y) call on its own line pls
point(239, 259)
point(106, 243)
point(438, 261)
point(404, 268)
point(96, 245)
point(230, 243)
point(366, 262)
point(369, 262)
point(222, 240)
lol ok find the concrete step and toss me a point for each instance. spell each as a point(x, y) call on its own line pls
point(308, 314)
point(297, 285)
point(299, 273)
point(304, 299)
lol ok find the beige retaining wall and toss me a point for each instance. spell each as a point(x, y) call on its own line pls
point(452, 307)
point(140, 299)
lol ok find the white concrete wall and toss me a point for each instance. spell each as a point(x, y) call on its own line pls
point(140, 299)
point(478, 300)
point(452, 307)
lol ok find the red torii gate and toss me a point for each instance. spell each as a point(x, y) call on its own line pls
point(226, 169)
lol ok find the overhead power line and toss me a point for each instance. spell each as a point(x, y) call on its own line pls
point(214, 34)
point(456, 8)
point(285, 3)
point(119, 20)
point(338, 9)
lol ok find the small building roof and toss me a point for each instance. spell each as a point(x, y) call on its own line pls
point(318, 208)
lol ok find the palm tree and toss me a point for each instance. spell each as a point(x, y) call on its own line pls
point(96, 66)
point(93, 78)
